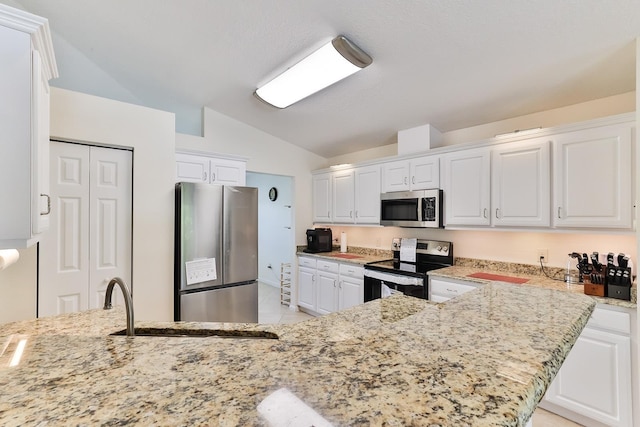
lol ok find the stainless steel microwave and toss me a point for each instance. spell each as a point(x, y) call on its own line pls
point(412, 208)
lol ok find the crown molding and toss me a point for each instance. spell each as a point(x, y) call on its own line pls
point(38, 28)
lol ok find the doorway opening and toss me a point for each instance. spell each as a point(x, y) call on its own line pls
point(276, 233)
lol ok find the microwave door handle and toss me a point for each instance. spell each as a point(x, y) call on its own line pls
point(420, 209)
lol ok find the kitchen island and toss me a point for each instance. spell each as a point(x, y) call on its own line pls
point(483, 359)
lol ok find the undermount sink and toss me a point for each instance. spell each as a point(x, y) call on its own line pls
point(199, 333)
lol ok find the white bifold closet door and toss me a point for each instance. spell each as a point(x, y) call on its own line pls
point(89, 240)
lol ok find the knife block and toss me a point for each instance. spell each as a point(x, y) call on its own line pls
point(619, 285)
point(595, 289)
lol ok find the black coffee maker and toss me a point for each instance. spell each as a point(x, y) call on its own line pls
point(319, 240)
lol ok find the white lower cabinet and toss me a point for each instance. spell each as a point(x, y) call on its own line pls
point(328, 286)
point(443, 289)
point(327, 277)
point(594, 384)
point(307, 282)
point(351, 286)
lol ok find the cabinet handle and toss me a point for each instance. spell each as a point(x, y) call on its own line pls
point(334, 283)
point(405, 180)
point(559, 212)
point(340, 284)
point(48, 204)
point(484, 212)
point(356, 214)
point(328, 214)
point(497, 210)
point(350, 214)
point(413, 179)
point(204, 176)
point(213, 177)
point(452, 291)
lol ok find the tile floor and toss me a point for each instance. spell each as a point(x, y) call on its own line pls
point(271, 311)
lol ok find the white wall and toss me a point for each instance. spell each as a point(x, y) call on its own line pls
point(274, 238)
point(266, 154)
point(151, 134)
point(18, 288)
point(617, 104)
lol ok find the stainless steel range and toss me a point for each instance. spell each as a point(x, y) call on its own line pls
point(406, 273)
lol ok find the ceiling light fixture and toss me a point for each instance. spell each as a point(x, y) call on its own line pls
point(331, 63)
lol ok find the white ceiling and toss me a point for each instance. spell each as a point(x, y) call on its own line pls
point(453, 64)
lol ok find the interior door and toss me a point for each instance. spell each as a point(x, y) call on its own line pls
point(64, 250)
point(110, 185)
point(90, 236)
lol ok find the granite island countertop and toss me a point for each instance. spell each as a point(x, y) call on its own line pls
point(483, 359)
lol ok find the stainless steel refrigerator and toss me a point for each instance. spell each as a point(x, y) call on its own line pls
point(216, 253)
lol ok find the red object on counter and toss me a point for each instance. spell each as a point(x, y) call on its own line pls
point(498, 277)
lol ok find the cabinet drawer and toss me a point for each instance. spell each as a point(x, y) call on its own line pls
point(329, 266)
point(307, 262)
point(351, 270)
point(449, 289)
point(610, 320)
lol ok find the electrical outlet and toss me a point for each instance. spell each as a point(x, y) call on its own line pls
point(544, 254)
point(269, 266)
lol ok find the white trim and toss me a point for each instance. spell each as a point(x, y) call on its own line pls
point(38, 27)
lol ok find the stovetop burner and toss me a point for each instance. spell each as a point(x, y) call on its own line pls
point(430, 255)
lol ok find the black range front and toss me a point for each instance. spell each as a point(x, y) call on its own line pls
point(385, 278)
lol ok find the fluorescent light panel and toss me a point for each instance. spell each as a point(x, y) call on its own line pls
point(331, 63)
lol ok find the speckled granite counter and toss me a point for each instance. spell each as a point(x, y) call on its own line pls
point(466, 266)
point(354, 255)
point(483, 359)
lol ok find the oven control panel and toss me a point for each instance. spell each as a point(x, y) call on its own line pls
point(428, 247)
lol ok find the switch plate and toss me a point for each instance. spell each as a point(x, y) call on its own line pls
point(544, 253)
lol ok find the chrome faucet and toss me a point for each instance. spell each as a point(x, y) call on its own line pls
point(128, 302)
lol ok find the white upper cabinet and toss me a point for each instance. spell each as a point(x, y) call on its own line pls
point(593, 178)
point(322, 197)
point(343, 196)
point(415, 174)
point(211, 170)
point(466, 187)
point(367, 195)
point(520, 184)
point(27, 64)
point(347, 196)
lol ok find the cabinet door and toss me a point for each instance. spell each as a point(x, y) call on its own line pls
point(327, 292)
point(395, 176)
point(592, 178)
point(228, 172)
point(343, 196)
point(443, 289)
point(595, 379)
point(321, 197)
point(425, 173)
point(466, 187)
point(520, 184)
point(191, 168)
point(307, 288)
point(367, 195)
point(40, 136)
point(351, 292)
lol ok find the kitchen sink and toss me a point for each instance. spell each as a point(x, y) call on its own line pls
point(199, 333)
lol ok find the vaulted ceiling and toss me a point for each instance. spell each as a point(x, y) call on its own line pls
point(453, 64)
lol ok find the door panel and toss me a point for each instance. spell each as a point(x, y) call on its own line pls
point(64, 250)
point(110, 225)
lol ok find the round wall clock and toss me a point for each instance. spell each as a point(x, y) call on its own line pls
point(273, 194)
